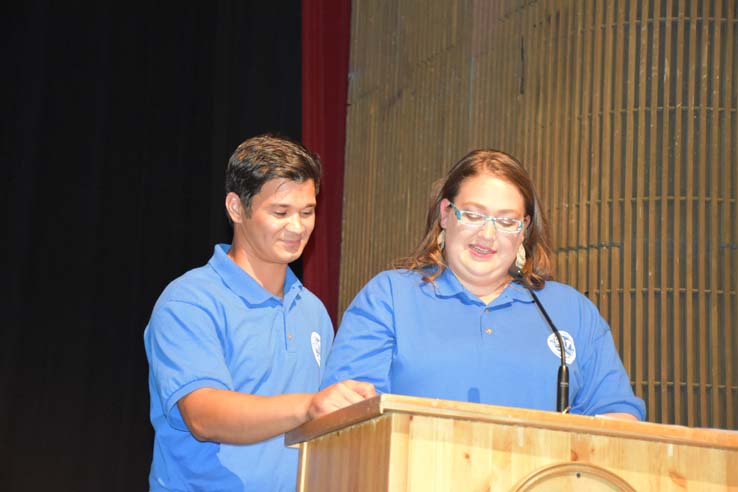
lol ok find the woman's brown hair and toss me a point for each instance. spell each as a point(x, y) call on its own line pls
point(428, 256)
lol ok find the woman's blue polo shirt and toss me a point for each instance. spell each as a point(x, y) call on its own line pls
point(438, 340)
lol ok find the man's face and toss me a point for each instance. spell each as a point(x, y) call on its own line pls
point(281, 219)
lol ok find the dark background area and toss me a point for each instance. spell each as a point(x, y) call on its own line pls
point(118, 121)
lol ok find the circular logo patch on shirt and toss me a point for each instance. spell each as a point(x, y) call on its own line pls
point(315, 343)
point(569, 348)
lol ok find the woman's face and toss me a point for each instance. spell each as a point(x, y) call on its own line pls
point(480, 257)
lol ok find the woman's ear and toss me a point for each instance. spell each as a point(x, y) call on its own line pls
point(526, 227)
point(443, 212)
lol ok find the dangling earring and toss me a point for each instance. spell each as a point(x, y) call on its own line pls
point(441, 239)
point(520, 257)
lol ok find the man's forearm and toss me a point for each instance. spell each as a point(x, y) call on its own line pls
point(238, 418)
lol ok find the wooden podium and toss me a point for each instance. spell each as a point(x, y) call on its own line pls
point(401, 443)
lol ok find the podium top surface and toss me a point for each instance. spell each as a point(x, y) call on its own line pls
point(389, 403)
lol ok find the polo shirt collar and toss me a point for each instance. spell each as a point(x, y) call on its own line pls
point(244, 285)
point(517, 292)
point(448, 285)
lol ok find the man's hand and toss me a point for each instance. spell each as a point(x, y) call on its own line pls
point(239, 418)
point(339, 395)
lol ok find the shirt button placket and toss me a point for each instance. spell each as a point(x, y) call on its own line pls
point(485, 323)
point(288, 335)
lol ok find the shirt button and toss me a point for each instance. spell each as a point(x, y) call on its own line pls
point(289, 336)
point(488, 331)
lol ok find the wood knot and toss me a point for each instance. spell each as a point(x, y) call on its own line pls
point(678, 479)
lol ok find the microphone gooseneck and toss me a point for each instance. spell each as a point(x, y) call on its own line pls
point(562, 388)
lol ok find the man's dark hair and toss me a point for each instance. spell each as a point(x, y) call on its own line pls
point(260, 159)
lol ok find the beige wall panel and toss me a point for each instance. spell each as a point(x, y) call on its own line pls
point(403, 114)
point(625, 113)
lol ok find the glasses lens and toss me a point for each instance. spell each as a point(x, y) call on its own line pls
point(475, 219)
point(471, 218)
point(507, 225)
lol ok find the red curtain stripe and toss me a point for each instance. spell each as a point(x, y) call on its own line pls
point(326, 28)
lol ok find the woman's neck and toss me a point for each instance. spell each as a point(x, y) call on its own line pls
point(490, 293)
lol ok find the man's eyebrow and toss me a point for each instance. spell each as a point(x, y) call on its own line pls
point(288, 205)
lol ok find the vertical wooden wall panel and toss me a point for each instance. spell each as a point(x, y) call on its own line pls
point(665, 325)
point(691, 272)
point(653, 202)
point(638, 218)
point(605, 198)
point(676, 168)
point(727, 259)
point(618, 154)
point(711, 217)
point(701, 334)
point(623, 111)
point(628, 150)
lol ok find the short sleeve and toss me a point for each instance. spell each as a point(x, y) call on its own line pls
point(365, 342)
point(605, 383)
point(185, 353)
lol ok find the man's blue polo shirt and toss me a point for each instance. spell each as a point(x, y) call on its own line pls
point(217, 327)
point(438, 340)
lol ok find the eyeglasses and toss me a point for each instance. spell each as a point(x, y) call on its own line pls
point(474, 219)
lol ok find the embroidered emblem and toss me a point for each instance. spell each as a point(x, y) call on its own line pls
point(315, 343)
point(569, 348)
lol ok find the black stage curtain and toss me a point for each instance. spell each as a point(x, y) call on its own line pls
point(118, 120)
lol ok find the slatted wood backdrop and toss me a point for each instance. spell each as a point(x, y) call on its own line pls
point(625, 114)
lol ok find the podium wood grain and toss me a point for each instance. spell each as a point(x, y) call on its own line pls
point(400, 443)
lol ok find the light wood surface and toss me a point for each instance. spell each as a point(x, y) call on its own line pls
point(400, 443)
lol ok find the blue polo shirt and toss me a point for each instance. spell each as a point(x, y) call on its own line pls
point(438, 340)
point(217, 327)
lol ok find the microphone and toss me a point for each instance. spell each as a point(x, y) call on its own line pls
point(562, 391)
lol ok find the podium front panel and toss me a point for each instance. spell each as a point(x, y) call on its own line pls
point(442, 447)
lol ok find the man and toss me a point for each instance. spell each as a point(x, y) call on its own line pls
point(236, 348)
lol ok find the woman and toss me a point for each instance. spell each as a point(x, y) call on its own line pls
point(451, 323)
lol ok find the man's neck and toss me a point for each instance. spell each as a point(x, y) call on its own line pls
point(271, 276)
